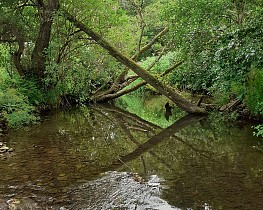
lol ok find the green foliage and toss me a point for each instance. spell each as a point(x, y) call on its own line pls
point(165, 62)
point(16, 108)
point(254, 97)
point(150, 108)
point(220, 49)
point(259, 130)
point(152, 14)
point(18, 96)
point(222, 96)
point(29, 89)
point(226, 59)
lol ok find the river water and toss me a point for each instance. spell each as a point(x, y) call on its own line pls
point(131, 156)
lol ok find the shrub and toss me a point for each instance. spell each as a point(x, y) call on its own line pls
point(254, 96)
point(15, 108)
point(259, 130)
point(17, 98)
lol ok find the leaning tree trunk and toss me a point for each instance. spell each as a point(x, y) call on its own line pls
point(141, 72)
point(117, 88)
point(111, 96)
point(38, 60)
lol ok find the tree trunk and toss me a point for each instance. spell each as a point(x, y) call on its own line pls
point(107, 97)
point(17, 55)
point(239, 6)
point(11, 33)
point(38, 59)
point(116, 89)
point(165, 90)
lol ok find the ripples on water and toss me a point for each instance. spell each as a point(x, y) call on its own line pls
point(88, 159)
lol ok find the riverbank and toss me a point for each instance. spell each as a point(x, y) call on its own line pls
point(233, 112)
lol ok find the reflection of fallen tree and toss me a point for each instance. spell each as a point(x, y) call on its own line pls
point(155, 140)
point(128, 122)
point(138, 122)
point(153, 127)
point(121, 118)
point(131, 137)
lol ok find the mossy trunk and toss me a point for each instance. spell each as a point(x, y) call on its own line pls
point(141, 72)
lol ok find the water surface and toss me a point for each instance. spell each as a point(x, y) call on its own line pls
point(104, 157)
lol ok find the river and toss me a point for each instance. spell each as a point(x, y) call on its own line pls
point(132, 156)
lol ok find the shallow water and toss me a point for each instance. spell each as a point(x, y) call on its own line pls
point(103, 157)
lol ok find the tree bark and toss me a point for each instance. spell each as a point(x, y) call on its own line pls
point(165, 90)
point(17, 55)
point(239, 6)
point(122, 92)
point(38, 59)
point(122, 82)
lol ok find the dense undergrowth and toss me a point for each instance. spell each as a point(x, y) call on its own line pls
point(18, 101)
point(21, 100)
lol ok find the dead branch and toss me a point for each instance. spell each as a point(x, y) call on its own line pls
point(135, 87)
point(120, 85)
point(230, 106)
point(149, 45)
point(121, 82)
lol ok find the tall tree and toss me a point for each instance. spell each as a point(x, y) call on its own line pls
point(46, 12)
point(15, 29)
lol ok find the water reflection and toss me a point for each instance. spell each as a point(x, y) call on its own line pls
point(194, 163)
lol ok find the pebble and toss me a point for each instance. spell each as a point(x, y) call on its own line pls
point(62, 177)
point(5, 149)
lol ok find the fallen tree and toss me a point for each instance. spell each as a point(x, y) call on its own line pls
point(117, 87)
point(135, 67)
point(122, 91)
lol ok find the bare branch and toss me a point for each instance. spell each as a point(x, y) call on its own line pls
point(135, 87)
point(148, 46)
point(8, 40)
point(167, 71)
point(134, 77)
